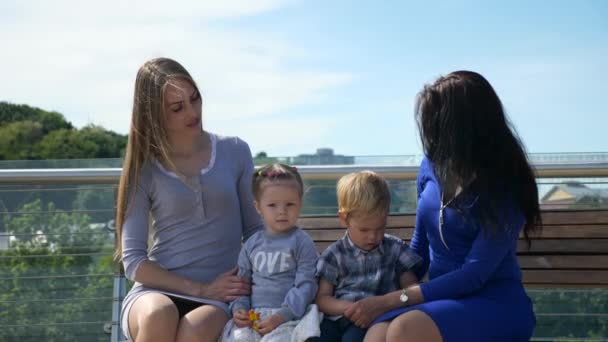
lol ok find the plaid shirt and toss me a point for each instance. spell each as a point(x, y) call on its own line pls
point(357, 274)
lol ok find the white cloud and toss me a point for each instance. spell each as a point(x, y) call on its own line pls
point(138, 10)
point(80, 58)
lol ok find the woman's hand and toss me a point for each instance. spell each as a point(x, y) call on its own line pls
point(227, 287)
point(241, 319)
point(270, 323)
point(364, 311)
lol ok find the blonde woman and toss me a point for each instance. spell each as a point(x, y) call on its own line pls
point(194, 187)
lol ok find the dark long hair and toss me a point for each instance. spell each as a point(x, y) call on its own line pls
point(466, 135)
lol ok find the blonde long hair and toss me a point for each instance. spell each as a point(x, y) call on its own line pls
point(147, 135)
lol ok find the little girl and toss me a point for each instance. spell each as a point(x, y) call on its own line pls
point(280, 261)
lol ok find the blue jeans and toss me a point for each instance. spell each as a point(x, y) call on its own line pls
point(340, 330)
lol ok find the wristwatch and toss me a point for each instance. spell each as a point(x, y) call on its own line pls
point(403, 297)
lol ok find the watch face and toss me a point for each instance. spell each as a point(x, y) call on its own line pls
point(403, 297)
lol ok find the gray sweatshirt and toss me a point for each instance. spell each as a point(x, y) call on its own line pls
point(197, 231)
point(282, 271)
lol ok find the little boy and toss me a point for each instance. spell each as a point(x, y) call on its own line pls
point(362, 275)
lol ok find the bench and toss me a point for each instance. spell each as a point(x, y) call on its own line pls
point(571, 250)
point(565, 270)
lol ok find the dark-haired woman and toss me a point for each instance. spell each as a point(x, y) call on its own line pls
point(476, 193)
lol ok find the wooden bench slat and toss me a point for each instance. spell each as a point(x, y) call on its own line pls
point(394, 221)
point(330, 233)
point(543, 286)
point(596, 261)
point(566, 217)
point(565, 278)
point(561, 218)
point(333, 234)
point(564, 246)
point(571, 277)
point(572, 231)
point(563, 262)
point(540, 246)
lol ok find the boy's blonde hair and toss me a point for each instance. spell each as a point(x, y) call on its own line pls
point(363, 192)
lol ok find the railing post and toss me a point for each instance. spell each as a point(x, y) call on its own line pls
point(118, 295)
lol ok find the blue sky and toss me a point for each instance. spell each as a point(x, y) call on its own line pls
point(292, 76)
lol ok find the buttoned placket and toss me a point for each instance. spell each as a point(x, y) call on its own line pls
point(198, 192)
point(363, 260)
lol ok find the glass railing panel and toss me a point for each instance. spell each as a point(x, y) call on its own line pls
point(321, 157)
point(570, 314)
point(573, 193)
point(563, 194)
point(327, 157)
point(61, 163)
point(68, 332)
point(94, 200)
point(56, 262)
point(573, 158)
point(316, 159)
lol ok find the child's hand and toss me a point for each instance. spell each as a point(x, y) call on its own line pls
point(241, 318)
point(364, 311)
point(226, 287)
point(270, 323)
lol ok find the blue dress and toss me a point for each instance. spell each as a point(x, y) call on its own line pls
point(474, 291)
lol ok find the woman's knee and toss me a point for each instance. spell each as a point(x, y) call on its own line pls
point(152, 314)
point(377, 332)
point(413, 326)
point(160, 309)
point(202, 324)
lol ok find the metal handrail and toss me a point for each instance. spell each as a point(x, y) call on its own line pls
point(309, 172)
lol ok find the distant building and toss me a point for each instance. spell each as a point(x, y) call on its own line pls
point(572, 195)
point(4, 241)
point(262, 158)
point(324, 156)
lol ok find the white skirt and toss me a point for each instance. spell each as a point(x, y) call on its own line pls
point(294, 331)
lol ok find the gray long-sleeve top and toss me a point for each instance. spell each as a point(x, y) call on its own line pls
point(282, 270)
point(197, 230)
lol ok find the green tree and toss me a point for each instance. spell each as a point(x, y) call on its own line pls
point(49, 121)
point(56, 273)
point(18, 140)
point(28, 133)
point(109, 144)
point(89, 142)
point(66, 144)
